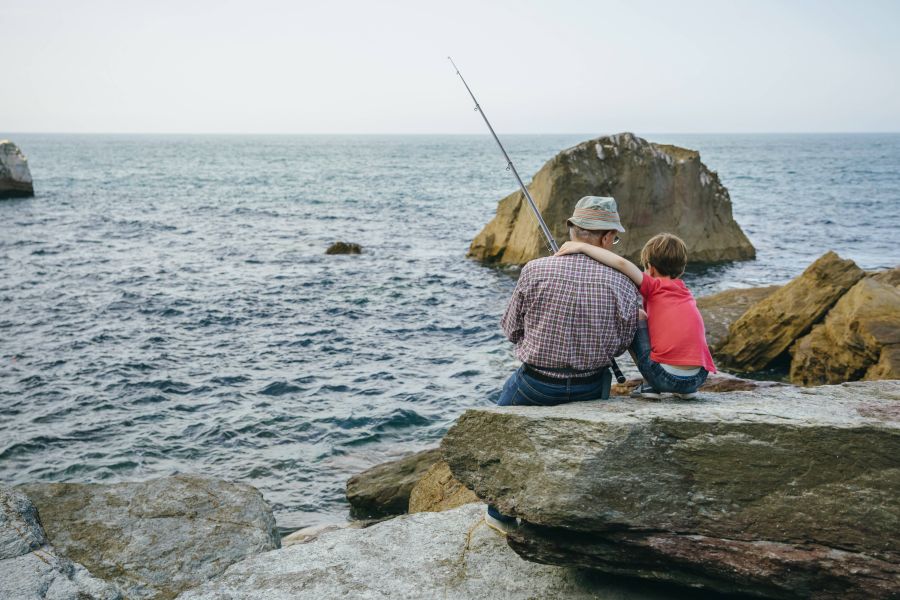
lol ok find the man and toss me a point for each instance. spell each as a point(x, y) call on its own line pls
point(569, 316)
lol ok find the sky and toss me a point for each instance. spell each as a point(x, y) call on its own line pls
point(566, 66)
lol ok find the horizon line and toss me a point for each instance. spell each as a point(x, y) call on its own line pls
point(259, 133)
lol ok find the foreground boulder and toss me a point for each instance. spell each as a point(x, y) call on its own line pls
point(859, 338)
point(383, 490)
point(657, 188)
point(30, 567)
point(15, 177)
point(782, 492)
point(449, 555)
point(766, 330)
point(156, 538)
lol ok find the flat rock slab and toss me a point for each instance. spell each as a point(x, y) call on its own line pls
point(157, 538)
point(30, 567)
point(781, 492)
point(449, 555)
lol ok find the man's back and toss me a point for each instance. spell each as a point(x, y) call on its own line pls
point(571, 312)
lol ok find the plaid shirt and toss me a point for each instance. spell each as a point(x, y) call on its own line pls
point(571, 312)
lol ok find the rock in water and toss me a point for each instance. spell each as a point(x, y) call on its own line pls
point(781, 492)
point(858, 339)
point(769, 327)
point(657, 188)
point(30, 567)
point(384, 489)
point(438, 491)
point(344, 248)
point(450, 555)
point(156, 538)
point(15, 178)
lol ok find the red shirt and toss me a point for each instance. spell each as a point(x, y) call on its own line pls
point(677, 335)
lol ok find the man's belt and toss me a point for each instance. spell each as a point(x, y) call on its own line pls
point(566, 376)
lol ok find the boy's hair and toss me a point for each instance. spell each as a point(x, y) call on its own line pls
point(667, 253)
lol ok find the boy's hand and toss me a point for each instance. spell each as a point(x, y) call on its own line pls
point(569, 248)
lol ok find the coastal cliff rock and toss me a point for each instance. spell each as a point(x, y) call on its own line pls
point(383, 490)
point(768, 328)
point(657, 188)
point(30, 567)
point(15, 177)
point(782, 492)
point(451, 555)
point(720, 310)
point(860, 332)
point(438, 490)
point(157, 538)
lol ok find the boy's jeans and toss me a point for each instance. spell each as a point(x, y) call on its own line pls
point(521, 389)
point(660, 379)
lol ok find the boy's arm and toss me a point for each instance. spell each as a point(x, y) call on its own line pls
point(606, 257)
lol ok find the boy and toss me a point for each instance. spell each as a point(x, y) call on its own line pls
point(678, 360)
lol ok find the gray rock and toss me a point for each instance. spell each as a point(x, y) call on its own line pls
point(384, 489)
point(15, 177)
point(450, 555)
point(157, 538)
point(30, 567)
point(780, 492)
point(657, 187)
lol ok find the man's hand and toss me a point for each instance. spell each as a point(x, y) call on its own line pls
point(570, 248)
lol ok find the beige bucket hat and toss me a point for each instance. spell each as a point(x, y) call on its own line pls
point(596, 213)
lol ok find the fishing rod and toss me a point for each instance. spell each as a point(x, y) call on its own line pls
point(534, 209)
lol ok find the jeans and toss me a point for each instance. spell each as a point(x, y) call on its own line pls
point(521, 389)
point(660, 379)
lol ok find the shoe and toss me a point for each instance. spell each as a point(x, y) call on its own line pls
point(645, 390)
point(688, 396)
point(503, 527)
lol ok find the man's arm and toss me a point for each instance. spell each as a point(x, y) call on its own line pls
point(513, 321)
point(610, 259)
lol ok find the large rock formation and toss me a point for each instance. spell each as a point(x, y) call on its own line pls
point(15, 178)
point(156, 538)
point(657, 188)
point(450, 555)
point(30, 567)
point(768, 328)
point(859, 338)
point(783, 492)
point(383, 490)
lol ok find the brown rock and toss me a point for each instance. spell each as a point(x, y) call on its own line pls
point(720, 310)
point(438, 491)
point(384, 489)
point(657, 188)
point(769, 327)
point(862, 327)
point(344, 248)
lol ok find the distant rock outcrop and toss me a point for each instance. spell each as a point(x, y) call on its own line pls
point(15, 177)
point(344, 248)
point(156, 538)
point(770, 326)
point(657, 188)
point(782, 492)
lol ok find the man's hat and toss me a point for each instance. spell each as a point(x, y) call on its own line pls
point(596, 213)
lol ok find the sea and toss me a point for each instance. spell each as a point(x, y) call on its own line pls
point(167, 306)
